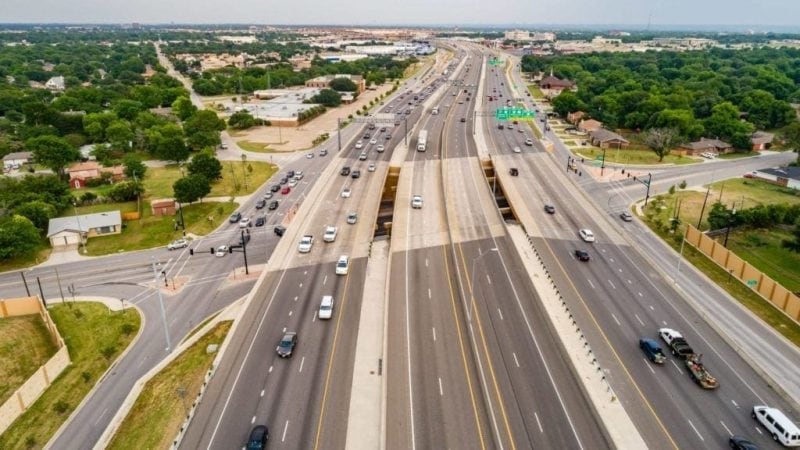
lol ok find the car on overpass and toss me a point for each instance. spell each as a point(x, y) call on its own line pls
point(326, 307)
point(330, 234)
point(287, 344)
point(549, 209)
point(416, 202)
point(586, 234)
point(342, 265)
point(352, 217)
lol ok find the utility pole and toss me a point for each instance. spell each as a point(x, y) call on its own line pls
point(703, 209)
point(60, 290)
point(25, 282)
point(603, 166)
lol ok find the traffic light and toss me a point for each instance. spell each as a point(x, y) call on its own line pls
point(212, 250)
point(230, 249)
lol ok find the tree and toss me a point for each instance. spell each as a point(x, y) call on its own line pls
point(207, 165)
point(125, 191)
point(128, 109)
point(719, 216)
point(134, 167)
point(202, 129)
point(662, 140)
point(120, 135)
point(191, 188)
point(725, 123)
point(38, 212)
point(343, 84)
point(567, 102)
point(791, 134)
point(53, 152)
point(18, 237)
point(167, 143)
point(183, 108)
point(241, 120)
point(794, 243)
point(328, 97)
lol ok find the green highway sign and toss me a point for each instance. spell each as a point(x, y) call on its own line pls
point(495, 62)
point(513, 113)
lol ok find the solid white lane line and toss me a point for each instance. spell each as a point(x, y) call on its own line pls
point(637, 318)
point(612, 284)
point(285, 427)
point(441, 391)
point(516, 361)
point(434, 334)
point(726, 428)
point(541, 430)
point(615, 319)
point(302, 361)
point(695, 430)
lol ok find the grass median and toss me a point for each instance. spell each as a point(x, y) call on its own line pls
point(95, 338)
point(158, 413)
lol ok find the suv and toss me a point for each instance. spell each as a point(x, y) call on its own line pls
point(273, 205)
point(258, 438)
point(342, 265)
point(586, 234)
point(356, 173)
point(345, 171)
point(176, 244)
point(287, 344)
point(652, 350)
point(235, 217)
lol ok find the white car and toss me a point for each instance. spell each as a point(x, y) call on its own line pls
point(352, 217)
point(586, 234)
point(373, 141)
point(222, 250)
point(298, 175)
point(529, 142)
point(293, 182)
point(309, 155)
point(380, 148)
point(371, 167)
point(342, 265)
point(178, 243)
point(346, 193)
point(244, 223)
point(330, 234)
point(305, 244)
point(268, 196)
point(326, 307)
point(517, 150)
point(416, 202)
point(359, 144)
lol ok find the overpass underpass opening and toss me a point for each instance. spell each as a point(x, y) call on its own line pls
point(383, 222)
point(499, 195)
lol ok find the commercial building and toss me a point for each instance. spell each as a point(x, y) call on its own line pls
point(324, 81)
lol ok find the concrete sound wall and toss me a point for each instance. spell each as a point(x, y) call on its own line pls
point(777, 295)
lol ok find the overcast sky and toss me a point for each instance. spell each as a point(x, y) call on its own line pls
point(779, 13)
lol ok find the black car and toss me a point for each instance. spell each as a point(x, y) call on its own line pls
point(261, 203)
point(290, 174)
point(258, 438)
point(345, 171)
point(582, 255)
point(287, 344)
point(260, 221)
point(235, 217)
point(463, 120)
point(367, 135)
point(388, 136)
point(356, 174)
point(275, 188)
point(284, 180)
point(273, 205)
point(279, 230)
point(740, 443)
point(500, 126)
point(549, 209)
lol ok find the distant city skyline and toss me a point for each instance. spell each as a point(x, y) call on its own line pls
point(729, 15)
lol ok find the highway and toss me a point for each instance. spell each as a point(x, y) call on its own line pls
point(619, 296)
point(467, 343)
point(304, 399)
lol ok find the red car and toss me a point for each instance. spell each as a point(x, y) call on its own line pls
point(749, 175)
point(286, 190)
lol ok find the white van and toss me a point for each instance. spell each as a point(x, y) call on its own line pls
point(326, 307)
point(342, 265)
point(778, 425)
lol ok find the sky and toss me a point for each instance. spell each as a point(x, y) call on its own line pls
point(761, 15)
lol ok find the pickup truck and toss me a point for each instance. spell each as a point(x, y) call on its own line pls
point(676, 342)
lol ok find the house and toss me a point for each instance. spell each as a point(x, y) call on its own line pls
point(590, 125)
point(56, 84)
point(72, 230)
point(163, 207)
point(782, 176)
point(551, 86)
point(761, 140)
point(704, 145)
point(15, 160)
point(80, 173)
point(575, 117)
point(607, 139)
point(324, 81)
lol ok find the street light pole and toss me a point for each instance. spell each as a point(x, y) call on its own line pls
point(405, 119)
point(603, 163)
point(339, 132)
point(161, 304)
